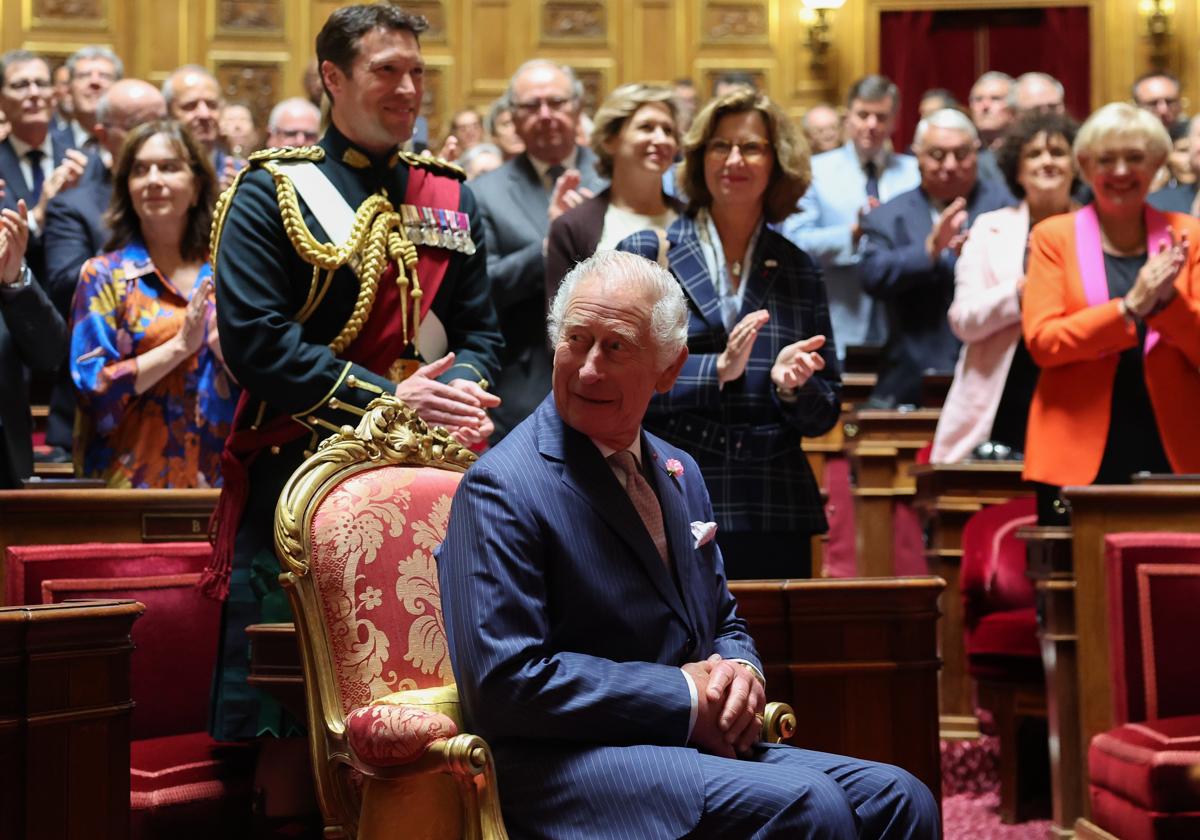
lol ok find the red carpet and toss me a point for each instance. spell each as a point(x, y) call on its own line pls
point(970, 795)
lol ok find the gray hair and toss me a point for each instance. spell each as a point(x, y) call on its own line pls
point(168, 86)
point(96, 51)
point(299, 102)
point(951, 119)
point(1029, 77)
point(668, 318)
point(476, 151)
point(993, 76)
point(576, 85)
point(13, 57)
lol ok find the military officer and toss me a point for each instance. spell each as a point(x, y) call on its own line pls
point(343, 270)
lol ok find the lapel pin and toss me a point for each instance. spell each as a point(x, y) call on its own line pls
point(770, 264)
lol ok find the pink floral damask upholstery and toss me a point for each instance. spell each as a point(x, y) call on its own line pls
point(387, 735)
point(372, 544)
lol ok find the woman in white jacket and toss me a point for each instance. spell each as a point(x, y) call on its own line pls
point(994, 379)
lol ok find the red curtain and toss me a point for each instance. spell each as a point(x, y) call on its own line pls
point(919, 50)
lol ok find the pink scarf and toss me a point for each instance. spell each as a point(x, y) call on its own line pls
point(1089, 253)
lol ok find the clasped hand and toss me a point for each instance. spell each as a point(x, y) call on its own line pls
point(459, 405)
point(730, 702)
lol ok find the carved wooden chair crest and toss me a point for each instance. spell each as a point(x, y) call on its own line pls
point(355, 530)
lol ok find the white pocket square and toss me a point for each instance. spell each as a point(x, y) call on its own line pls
point(703, 532)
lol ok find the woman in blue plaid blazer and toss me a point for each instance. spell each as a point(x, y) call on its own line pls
point(762, 371)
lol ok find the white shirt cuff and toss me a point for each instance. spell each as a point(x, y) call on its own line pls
point(695, 703)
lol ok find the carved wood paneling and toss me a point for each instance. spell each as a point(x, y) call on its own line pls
point(68, 11)
point(434, 12)
point(251, 17)
point(596, 81)
point(574, 21)
point(256, 84)
point(722, 23)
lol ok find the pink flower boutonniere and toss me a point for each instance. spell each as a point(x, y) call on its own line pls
point(674, 468)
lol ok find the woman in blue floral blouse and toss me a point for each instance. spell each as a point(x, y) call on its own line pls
point(155, 398)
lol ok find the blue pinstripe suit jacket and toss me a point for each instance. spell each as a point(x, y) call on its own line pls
point(567, 631)
point(746, 440)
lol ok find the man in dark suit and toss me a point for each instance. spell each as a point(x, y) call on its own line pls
point(36, 163)
point(595, 643)
point(517, 202)
point(194, 98)
point(32, 335)
point(911, 247)
point(75, 229)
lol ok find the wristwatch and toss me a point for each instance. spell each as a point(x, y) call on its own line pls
point(24, 279)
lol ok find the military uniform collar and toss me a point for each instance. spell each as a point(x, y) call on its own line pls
point(338, 147)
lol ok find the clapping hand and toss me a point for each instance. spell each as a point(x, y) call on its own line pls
point(450, 149)
point(191, 331)
point(797, 363)
point(731, 364)
point(14, 238)
point(65, 176)
point(1155, 284)
point(567, 193)
point(948, 230)
point(856, 230)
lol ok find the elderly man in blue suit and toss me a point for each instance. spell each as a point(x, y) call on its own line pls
point(848, 182)
point(910, 249)
point(594, 639)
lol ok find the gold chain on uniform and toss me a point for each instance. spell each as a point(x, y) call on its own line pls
point(377, 233)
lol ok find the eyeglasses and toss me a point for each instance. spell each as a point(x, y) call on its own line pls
point(751, 150)
point(297, 134)
point(960, 154)
point(554, 103)
point(25, 86)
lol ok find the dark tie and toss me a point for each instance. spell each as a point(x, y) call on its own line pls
point(643, 498)
point(34, 156)
point(553, 174)
point(872, 172)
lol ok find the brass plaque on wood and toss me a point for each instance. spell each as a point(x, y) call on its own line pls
point(170, 527)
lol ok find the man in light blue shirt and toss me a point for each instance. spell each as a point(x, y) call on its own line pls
point(848, 182)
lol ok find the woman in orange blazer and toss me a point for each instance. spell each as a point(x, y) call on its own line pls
point(1111, 315)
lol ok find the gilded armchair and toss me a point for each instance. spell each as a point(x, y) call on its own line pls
point(355, 530)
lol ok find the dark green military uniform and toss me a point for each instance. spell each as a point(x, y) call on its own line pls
point(288, 368)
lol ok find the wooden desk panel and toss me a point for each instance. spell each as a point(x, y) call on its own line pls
point(856, 659)
point(44, 517)
point(1050, 566)
point(882, 446)
point(1096, 511)
point(947, 495)
point(65, 707)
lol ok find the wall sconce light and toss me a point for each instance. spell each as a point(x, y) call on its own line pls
point(814, 14)
point(1158, 15)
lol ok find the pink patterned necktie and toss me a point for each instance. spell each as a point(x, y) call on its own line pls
point(644, 501)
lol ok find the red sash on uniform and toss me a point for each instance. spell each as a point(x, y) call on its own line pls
point(378, 344)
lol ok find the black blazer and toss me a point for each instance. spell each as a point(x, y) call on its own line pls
point(915, 292)
point(33, 335)
point(1176, 199)
point(513, 204)
point(575, 234)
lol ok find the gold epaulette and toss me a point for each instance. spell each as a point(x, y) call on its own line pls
point(313, 153)
point(438, 165)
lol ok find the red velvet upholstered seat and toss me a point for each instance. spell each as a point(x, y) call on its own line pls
point(1003, 654)
point(182, 783)
point(998, 599)
point(1144, 775)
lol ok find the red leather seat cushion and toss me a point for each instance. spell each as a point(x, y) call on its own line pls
point(1123, 819)
point(189, 786)
point(27, 566)
point(1148, 763)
